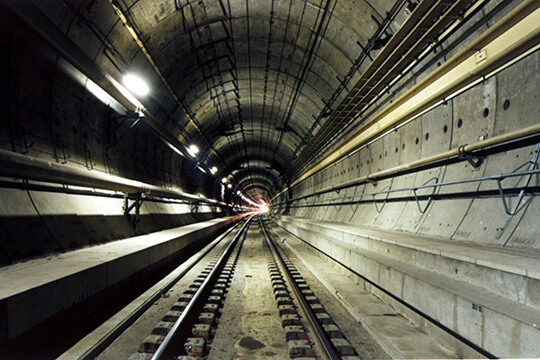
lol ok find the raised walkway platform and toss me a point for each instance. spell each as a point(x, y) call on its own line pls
point(489, 295)
point(32, 292)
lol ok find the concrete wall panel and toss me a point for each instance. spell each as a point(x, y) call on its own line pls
point(443, 218)
point(509, 340)
point(469, 321)
point(376, 162)
point(525, 236)
point(410, 217)
point(392, 150)
point(474, 113)
point(518, 90)
point(23, 234)
point(389, 215)
point(431, 136)
point(484, 230)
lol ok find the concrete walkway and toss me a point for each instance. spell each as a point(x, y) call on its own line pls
point(34, 291)
point(400, 338)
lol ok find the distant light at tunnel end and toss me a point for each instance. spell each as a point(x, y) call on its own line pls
point(135, 84)
point(263, 208)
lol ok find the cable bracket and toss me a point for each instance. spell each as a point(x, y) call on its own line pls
point(475, 161)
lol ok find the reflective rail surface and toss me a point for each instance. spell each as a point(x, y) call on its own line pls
point(321, 339)
point(170, 348)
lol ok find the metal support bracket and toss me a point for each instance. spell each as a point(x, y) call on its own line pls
point(134, 219)
point(27, 145)
point(475, 161)
point(389, 187)
point(422, 211)
point(62, 146)
point(130, 116)
point(354, 208)
point(533, 164)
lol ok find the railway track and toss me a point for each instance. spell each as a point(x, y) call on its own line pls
point(243, 297)
point(271, 312)
point(186, 331)
point(309, 330)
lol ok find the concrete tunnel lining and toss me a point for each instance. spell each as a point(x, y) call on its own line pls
point(252, 97)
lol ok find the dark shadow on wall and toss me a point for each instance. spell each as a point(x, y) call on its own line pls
point(27, 237)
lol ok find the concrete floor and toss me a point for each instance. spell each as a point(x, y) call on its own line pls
point(250, 327)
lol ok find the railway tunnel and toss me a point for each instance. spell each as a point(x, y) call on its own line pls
point(387, 149)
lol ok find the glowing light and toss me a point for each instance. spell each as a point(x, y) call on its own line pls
point(193, 150)
point(135, 85)
point(224, 180)
point(229, 186)
point(213, 170)
point(263, 208)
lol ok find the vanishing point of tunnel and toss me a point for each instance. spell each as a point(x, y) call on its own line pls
point(269, 179)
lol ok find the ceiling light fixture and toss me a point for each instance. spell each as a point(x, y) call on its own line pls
point(213, 170)
point(193, 150)
point(135, 85)
point(224, 180)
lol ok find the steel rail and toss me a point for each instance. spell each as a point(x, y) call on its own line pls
point(433, 321)
point(113, 332)
point(169, 347)
point(321, 338)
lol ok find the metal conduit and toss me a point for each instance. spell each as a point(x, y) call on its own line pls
point(26, 167)
point(500, 192)
point(521, 137)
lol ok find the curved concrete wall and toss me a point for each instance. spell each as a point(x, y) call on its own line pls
point(37, 224)
point(460, 258)
point(477, 114)
point(53, 112)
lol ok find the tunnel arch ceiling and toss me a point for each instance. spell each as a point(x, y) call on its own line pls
point(245, 81)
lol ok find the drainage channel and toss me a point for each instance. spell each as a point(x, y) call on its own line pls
point(310, 331)
point(187, 329)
